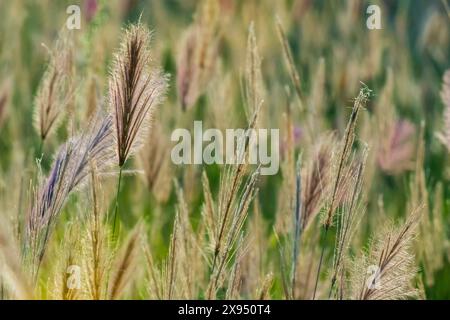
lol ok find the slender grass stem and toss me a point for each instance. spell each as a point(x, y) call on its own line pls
point(324, 236)
point(116, 209)
point(19, 209)
point(297, 228)
point(333, 282)
point(41, 147)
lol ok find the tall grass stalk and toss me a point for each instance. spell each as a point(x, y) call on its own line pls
point(297, 226)
point(134, 93)
point(349, 137)
point(116, 206)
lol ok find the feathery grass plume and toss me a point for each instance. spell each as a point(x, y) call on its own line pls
point(221, 89)
point(169, 271)
point(189, 179)
point(348, 220)
point(69, 172)
point(286, 204)
point(155, 160)
point(235, 279)
point(67, 276)
point(253, 77)
point(430, 244)
point(96, 248)
point(317, 98)
point(253, 264)
point(154, 278)
point(317, 179)
point(209, 212)
point(288, 228)
point(293, 73)
point(134, 94)
point(162, 281)
point(190, 252)
point(394, 150)
point(386, 271)
point(197, 54)
point(347, 144)
point(342, 171)
point(245, 270)
point(307, 263)
point(444, 136)
point(173, 280)
point(187, 70)
point(92, 97)
point(13, 279)
point(264, 291)
point(124, 266)
point(295, 78)
point(374, 127)
point(397, 148)
point(56, 88)
point(152, 157)
point(236, 194)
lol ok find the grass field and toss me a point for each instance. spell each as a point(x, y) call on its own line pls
point(92, 205)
